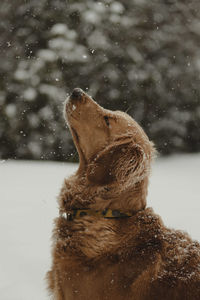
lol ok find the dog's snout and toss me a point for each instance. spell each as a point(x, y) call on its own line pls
point(77, 94)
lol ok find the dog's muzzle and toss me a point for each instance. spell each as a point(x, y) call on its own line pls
point(70, 103)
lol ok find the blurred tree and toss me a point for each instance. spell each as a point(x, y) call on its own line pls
point(137, 56)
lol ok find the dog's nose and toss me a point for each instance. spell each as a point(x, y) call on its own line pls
point(77, 94)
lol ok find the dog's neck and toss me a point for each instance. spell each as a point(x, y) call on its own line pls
point(77, 193)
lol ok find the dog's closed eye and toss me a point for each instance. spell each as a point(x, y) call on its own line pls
point(106, 118)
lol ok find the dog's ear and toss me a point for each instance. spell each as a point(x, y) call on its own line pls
point(123, 161)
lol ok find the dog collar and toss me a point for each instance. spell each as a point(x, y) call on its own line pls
point(72, 214)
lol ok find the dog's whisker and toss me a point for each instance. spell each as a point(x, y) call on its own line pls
point(128, 109)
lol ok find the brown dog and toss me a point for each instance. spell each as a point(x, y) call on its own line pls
point(106, 244)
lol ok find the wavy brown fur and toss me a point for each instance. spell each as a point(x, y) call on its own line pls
point(134, 258)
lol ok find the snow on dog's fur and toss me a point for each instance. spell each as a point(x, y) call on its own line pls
point(125, 258)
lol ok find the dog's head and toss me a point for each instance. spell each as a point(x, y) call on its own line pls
point(112, 147)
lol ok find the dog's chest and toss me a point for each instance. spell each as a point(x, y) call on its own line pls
point(101, 283)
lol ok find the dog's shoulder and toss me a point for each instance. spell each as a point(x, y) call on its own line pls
point(177, 268)
point(168, 260)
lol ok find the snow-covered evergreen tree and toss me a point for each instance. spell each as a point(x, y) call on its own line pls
point(140, 56)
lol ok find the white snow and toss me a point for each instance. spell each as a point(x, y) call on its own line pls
point(30, 94)
point(59, 28)
point(47, 55)
point(73, 107)
point(117, 7)
point(174, 192)
point(11, 110)
point(28, 206)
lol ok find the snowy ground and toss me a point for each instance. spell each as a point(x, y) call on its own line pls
point(28, 205)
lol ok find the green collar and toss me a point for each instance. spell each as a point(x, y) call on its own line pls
point(72, 214)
